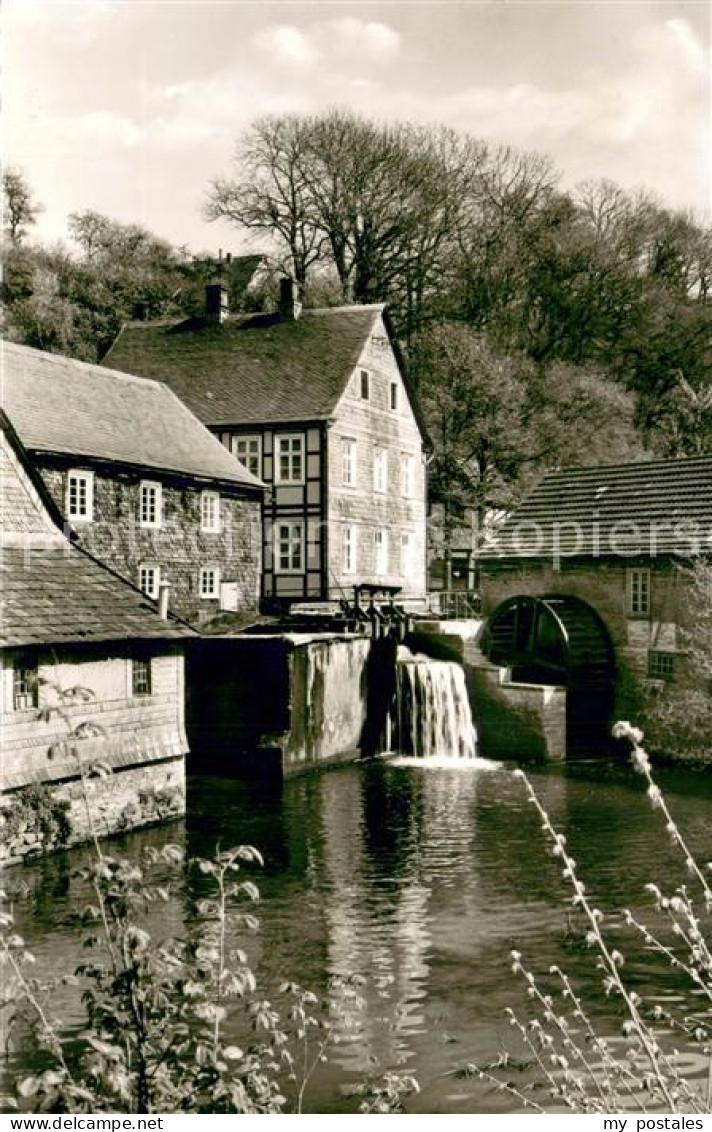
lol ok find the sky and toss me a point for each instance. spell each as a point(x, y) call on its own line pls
point(131, 107)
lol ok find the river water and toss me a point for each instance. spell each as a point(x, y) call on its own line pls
point(421, 878)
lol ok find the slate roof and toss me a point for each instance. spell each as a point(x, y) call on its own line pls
point(252, 369)
point(59, 594)
point(63, 406)
point(646, 508)
point(54, 592)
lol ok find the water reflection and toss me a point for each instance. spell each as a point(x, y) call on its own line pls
point(376, 932)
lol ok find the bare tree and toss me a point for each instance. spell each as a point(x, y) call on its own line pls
point(271, 194)
point(20, 209)
point(376, 202)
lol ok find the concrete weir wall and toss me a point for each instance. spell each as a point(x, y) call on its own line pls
point(276, 704)
point(521, 721)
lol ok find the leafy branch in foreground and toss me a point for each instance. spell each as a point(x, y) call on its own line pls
point(642, 1069)
point(162, 1018)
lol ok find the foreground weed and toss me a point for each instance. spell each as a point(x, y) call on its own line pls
point(643, 1069)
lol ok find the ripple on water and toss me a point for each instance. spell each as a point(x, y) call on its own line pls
point(419, 876)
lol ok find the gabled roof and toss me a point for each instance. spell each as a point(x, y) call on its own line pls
point(647, 508)
point(254, 369)
point(53, 592)
point(62, 406)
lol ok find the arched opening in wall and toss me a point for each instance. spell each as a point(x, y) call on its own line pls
point(559, 639)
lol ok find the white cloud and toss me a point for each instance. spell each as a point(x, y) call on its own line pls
point(285, 44)
point(331, 42)
point(647, 122)
point(99, 128)
point(351, 38)
point(642, 121)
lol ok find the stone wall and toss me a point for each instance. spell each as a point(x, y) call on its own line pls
point(517, 721)
point(132, 729)
point(127, 799)
point(372, 425)
point(512, 720)
point(179, 547)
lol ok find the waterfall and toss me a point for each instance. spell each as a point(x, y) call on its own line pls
point(432, 712)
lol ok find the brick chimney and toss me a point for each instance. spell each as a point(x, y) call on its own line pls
point(216, 302)
point(289, 306)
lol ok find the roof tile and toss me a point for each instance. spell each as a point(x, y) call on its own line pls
point(660, 506)
point(61, 405)
point(251, 369)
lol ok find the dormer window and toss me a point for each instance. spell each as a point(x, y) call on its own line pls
point(365, 384)
point(80, 496)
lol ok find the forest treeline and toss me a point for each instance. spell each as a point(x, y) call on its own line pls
point(542, 326)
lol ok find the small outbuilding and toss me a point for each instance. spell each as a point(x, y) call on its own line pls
point(592, 574)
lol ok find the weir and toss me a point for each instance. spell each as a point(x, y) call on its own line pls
point(281, 704)
point(432, 714)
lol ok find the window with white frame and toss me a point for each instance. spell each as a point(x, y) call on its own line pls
point(289, 459)
point(149, 579)
point(364, 381)
point(210, 511)
point(80, 495)
point(141, 676)
point(393, 396)
point(381, 546)
point(209, 582)
point(638, 592)
point(25, 683)
point(407, 474)
point(350, 537)
point(248, 450)
point(289, 548)
point(150, 504)
point(380, 470)
point(349, 463)
point(406, 549)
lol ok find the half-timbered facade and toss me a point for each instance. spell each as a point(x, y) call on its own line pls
point(317, 404)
